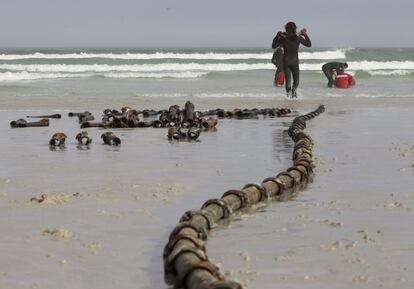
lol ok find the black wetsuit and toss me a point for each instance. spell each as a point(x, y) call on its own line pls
point(277, 60)
point(290, 45)
point(328, 68)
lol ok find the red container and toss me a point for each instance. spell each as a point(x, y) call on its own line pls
point(351, 80)
point(280, 78)
point(341, 81)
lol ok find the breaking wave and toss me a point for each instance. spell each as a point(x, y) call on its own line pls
point(179, 67)
point(396, 72)
point(318, 55)
point(24, 75)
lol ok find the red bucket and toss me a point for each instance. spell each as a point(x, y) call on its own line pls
point(341, 81)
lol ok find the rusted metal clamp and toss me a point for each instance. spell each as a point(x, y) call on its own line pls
point(302, 145)
point(298, 121)
point(299, 118)
point(203, 213)
point(305, 163)
point(169, 270)
point(292, 132)
point(300, 153)
point(169, 247)
point(204, 265)
point(185, 249)
point(305, 140)
point(244, 200)
point(305, 137)
point(300, 135)
point(281, 185)
point(227, 210)
point(264, 195)
point(289, 175)
point(201, 232)
point(298, 126)
point(303, 175)
point(225, 285)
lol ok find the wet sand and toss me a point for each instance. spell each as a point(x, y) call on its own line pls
point(108, 211)
point(351, 228)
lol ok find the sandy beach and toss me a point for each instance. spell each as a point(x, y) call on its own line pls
point(351, 227)
point(99, 217)
point(108, 211)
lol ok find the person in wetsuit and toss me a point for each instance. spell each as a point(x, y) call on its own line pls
point(333, 68)
point(277, 60)
point(290, 42)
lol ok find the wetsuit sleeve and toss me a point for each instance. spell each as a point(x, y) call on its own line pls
point(304, 39)
point(276, 42)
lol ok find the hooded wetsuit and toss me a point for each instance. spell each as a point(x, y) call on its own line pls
point(290, 45)
point(328, 68)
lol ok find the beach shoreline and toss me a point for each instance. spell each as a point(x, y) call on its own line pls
point(106, 212)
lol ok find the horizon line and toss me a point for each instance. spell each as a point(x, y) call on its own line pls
point(189, 47)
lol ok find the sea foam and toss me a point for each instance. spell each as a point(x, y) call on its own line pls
point(321, 55)
point(24, 75)
point(200, 67)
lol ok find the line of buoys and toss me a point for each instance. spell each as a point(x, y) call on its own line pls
point(184, 124)
point(83, 138)
point(193, 122)
point(186, 264)
point(246, 113)
point(173, 117)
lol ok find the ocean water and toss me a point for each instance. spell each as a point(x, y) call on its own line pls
point(107, 75)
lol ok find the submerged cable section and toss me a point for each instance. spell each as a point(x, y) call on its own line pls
point(186, 264)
